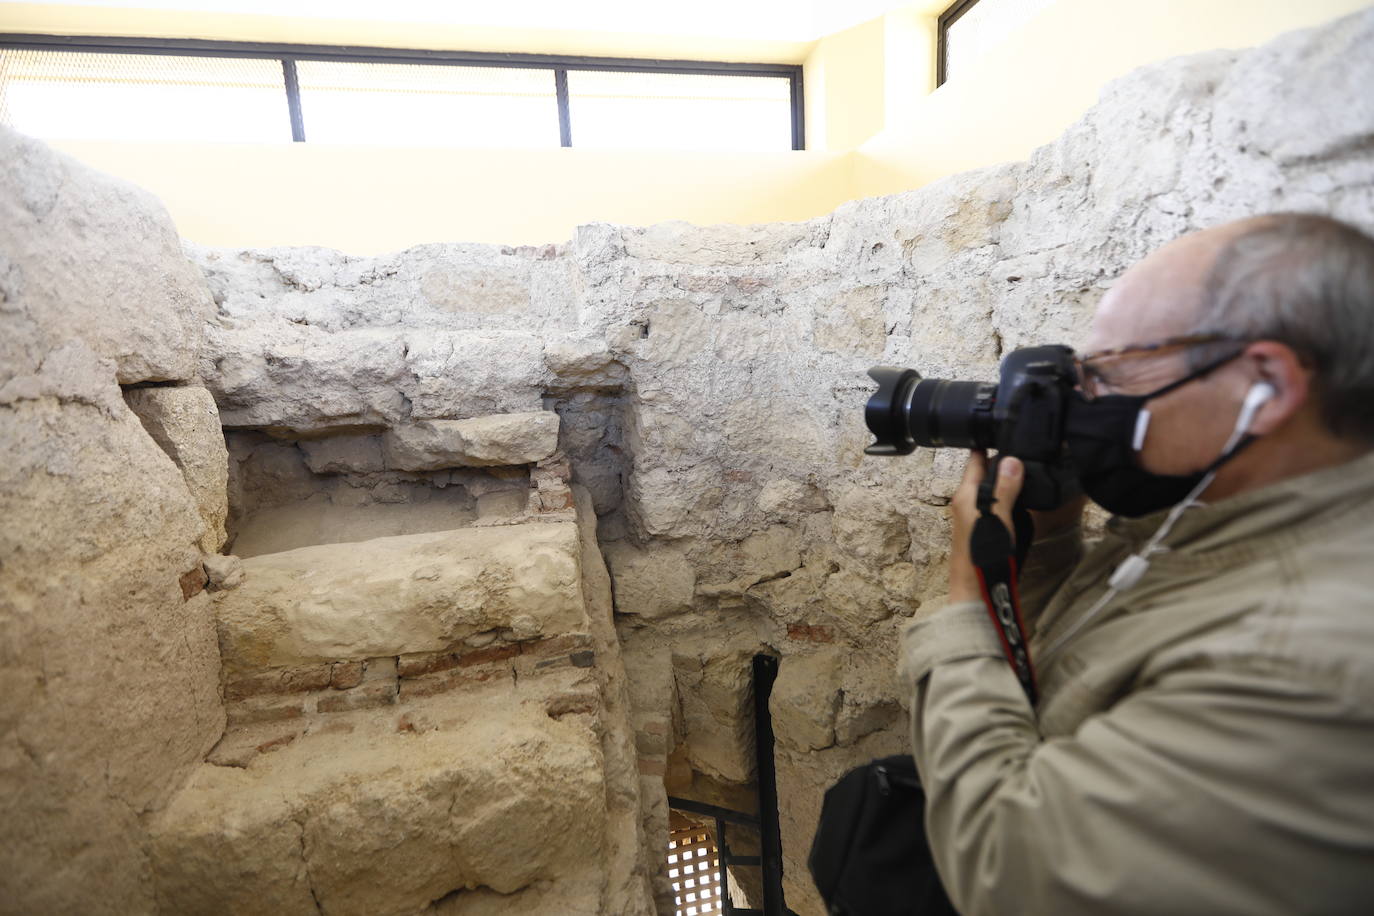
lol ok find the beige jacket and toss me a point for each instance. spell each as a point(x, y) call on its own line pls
point(1204, 745)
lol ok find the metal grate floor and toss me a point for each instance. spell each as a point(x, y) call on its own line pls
point(694, 867)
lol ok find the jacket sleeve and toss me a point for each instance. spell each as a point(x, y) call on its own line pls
point(1160, 804)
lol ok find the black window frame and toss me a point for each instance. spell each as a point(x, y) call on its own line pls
point(950, 16)
point(289, 54)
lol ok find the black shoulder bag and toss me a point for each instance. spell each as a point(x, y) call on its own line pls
point(870, 856)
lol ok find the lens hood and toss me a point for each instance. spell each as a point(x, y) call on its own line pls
point(886, 411)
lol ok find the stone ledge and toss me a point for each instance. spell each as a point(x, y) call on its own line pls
point(348, 684)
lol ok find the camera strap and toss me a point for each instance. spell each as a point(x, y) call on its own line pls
point(998, 560)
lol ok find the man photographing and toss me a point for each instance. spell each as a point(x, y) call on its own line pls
point(1203, 735)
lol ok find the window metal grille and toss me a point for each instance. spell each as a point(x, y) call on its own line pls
point(129, 88)
point(694, 869)
point(970, 27)
point(130, 96)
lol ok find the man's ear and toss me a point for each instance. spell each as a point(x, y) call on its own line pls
point(1278, 365)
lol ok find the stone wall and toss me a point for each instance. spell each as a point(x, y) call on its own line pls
point(109, 673)
point(701, 386)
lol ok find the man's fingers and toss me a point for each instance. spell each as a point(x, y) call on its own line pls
point(1010, 472)
point(975, 469)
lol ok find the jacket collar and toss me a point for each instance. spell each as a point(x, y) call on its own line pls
point(1252, 523)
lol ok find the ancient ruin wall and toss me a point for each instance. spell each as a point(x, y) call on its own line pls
point(109, 672)
point(710, 379)
point(708, 384)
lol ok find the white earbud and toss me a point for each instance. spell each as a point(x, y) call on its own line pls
point(1259, 394)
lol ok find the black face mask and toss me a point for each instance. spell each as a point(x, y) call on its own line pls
point(1101, 438)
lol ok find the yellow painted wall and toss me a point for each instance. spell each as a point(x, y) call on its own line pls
point(874, 125)
point(844, 82)
point(368, 200)
point(1043, 77)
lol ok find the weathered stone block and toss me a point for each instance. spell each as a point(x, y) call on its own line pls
point(265, 709)
point(806, 699)
point(501, 505)
point(572, 703)
point(344, 454)
point(651, 582)
point(505, 439)
point(184, 422)
point(390, 596)
point(222, 572)
point(109, 664)
point(91, 257)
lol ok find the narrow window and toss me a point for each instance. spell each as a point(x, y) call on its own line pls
point(72, 95)
point(415, 104)
point(970, 27)
point(633, 110)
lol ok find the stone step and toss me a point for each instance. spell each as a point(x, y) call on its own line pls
point(391, 596)
point(471, 799)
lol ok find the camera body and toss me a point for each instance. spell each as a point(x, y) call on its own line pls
point(1021, 415)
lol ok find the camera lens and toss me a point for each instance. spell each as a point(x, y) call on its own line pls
point(946, 414)
point(907, 411)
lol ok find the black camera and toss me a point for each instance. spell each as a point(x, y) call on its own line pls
point(1022, 415)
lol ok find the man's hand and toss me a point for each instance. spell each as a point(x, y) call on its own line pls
point(963, 510)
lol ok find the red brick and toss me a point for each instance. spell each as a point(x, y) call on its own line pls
point(276, 743)
point(551, 500)
point(811, 633)
point(298, 679)
point(441, 681)
point(556, 464)
point(489, 654)
point(557, 645)
point(346, 675)
point(306, 677)
point(414, 664)
point(193, 582)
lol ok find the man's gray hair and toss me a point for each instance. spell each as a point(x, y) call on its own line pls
point(1306, 281)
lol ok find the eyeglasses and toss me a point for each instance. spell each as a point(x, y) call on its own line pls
point(1095, 377)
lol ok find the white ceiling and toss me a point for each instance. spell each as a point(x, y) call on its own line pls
point(759, 20)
